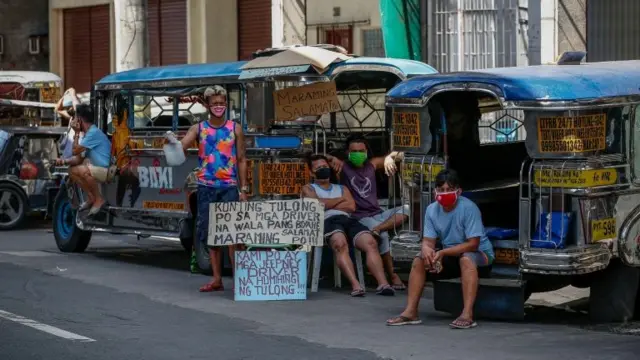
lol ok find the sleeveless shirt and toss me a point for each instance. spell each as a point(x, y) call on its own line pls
point(217, 155)
point(362, 184)
point(334, 192)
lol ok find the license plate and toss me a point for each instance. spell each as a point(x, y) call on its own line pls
point(507, 256)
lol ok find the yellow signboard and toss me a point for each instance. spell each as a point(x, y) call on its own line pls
point(577, 179)
point(567, 134)
point(507, 256)
point(603, 229)
point(314, 99)
point(162, 205)
point(282, 178)
point(406, 129)
point(429, 172)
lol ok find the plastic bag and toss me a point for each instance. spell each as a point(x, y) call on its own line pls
point(173, 151)
point(496, 233)
point(552, 231)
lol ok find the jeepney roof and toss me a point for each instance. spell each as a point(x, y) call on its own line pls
point(542, 83)
point(24, 77)
point(407, 67)
point(174, 72)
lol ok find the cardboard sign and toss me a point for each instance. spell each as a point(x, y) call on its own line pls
point(406, 129)
point(283, 178)
point(576, 134)
point(163, 205)
point(270, 275)
point(429, 173)
point(297, 222)
point(603, 229)
point(577, 179)
point(314, 99)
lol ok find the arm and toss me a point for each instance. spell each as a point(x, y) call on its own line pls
point(429, 238)
point(73, 161)
point(348, 204)
point(77, 148)
point(190, 137)
point(60, 111)
point(241, 158)
point(74, 97)
point(473, 231)
point(307, 191)
point(388, 163)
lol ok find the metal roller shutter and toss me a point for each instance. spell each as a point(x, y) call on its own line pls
point(86, 46)
point(254, 27)
point(167, 28)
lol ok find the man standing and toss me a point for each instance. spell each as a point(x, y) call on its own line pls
point(340, 229)
point(221, 154)
point(467, 252)
point(359, 175)
point(91, 157)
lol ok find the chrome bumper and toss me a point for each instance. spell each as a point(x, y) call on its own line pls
point(572, 261)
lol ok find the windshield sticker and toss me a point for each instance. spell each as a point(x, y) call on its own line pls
point(578, 134)
point(576, 179)
point(406, 129)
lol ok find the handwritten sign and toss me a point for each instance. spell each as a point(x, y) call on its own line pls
point(411, 171)
point(406, 129)
point(297, 222)
point(270, 275)
point(576, 134)
point(577, 179)
point(282, 178)
point(250, 167)
point(603, 229)
point(163, 205)
point(314, 99)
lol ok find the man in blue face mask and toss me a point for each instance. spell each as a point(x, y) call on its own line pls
point(343, 231)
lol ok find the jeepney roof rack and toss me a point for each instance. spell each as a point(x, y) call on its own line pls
point(272, 51)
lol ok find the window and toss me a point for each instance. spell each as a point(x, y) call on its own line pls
point(339, 36)
point(502, 127)
point(636, 145)
point(372, 43)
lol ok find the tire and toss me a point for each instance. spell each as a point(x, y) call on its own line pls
point(186, 236)
point(203, 259)
point(613, 293)
point(69, 238)
point(13, 206)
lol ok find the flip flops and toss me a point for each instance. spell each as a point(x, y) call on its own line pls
point(385, 290)
point(403, 320)
point(461, 323)
point(358, 293)
point(211, 287)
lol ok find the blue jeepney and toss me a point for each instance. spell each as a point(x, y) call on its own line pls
point(135, 108)
point(550, 155)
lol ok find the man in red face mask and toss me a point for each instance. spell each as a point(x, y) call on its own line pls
point(456, 223)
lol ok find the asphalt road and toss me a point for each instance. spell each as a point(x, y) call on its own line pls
point(129, 299)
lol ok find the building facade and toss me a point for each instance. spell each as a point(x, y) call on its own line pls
point(23, 35)
point(82, 33)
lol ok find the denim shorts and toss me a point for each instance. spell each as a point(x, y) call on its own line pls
point(207, 195)
point(375, 220)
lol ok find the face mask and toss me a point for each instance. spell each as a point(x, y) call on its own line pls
point(357, 158)
point(447, 199)
point(218, 111)
point(323, 173)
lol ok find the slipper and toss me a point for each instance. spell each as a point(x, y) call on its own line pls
point(399, 287)
point(385, 290)
point(358, 293)
point(210, 287)
point(403, 320)
point(85, 206)
point(461, 323)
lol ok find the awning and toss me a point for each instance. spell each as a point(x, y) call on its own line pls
point(292, 61)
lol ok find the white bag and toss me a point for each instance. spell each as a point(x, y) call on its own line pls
point(173, 151)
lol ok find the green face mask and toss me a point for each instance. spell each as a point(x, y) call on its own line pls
point(357, 158)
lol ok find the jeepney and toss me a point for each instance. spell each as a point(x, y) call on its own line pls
point(137, 107)
point(550, 156)
point(29, 135)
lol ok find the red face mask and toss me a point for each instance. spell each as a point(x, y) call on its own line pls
point(447, 199)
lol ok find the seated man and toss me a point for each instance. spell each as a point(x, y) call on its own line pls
point(91, 159)
point(340, 227)
point(359, 176)
point(457, 223)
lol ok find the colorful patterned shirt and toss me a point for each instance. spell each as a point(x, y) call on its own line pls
point(217, 155)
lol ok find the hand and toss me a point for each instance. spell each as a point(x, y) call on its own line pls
point(59, 162)
point(428, 254)
point(336, 164)
point(75, 125)
point(437, 262)
point(390, 162)
point(243, 196)
point(171, 137)
point(71, 91)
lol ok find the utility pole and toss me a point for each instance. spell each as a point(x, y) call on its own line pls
point(132, 49)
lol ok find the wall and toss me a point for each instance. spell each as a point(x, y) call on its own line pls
point(572, 25)
point(613, 30)
point(212, 35)
point(21, 19)
point(365, 14)
point(293, 23)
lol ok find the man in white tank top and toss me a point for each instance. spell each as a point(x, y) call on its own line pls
point(341, 230)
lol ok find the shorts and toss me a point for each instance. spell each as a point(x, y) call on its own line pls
point(451, 265)
point(347, 225)
point(205, 196)
point(375, 220)
point(99, 173)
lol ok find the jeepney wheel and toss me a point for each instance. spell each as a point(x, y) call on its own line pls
point(13, 206)
point(203, 260)
point(613, 293)
point(69, 238)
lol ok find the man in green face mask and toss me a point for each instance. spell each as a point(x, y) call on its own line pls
point(358, 174)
